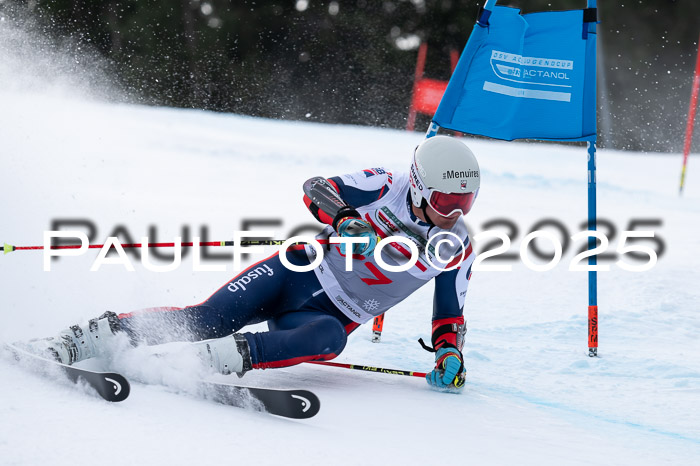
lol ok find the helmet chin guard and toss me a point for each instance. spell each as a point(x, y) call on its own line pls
point(445, 174)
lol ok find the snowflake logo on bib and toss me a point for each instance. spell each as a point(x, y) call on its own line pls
point(370, 305)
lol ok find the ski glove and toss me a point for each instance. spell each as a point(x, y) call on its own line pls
point(448, 341)
point(354, 227)
point(449, 369)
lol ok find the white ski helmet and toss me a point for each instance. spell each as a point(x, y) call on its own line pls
point(444, 175)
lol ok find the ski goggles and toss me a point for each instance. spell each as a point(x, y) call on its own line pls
point(447, 204)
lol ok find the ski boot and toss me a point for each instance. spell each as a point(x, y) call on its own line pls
point(77, 343)
point(226, 355)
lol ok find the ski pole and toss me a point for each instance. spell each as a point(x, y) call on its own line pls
point(8, 248)
point(370, 368)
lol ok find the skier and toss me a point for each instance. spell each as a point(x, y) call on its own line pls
point(311, 313)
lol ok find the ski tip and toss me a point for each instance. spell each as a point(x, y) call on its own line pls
point(109, 385)
point(310, 405)
point(7, 248)
point(116, 388)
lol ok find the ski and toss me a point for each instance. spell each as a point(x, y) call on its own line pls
point(295, 404)
point(109, 385)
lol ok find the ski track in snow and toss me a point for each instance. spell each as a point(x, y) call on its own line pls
point(533, 396)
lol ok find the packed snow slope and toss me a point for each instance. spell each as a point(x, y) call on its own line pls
point(533, 395)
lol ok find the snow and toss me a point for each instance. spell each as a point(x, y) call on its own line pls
point(533, 395)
